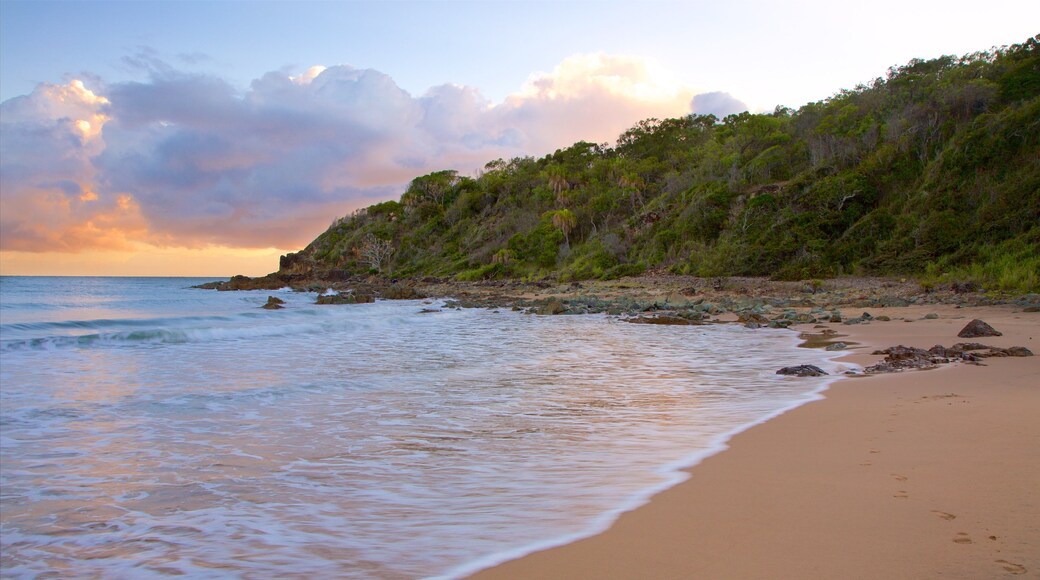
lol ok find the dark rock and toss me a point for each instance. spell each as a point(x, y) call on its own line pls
point(345, 298)
point(836, 346)
point(273, 303)
point(896, 353)
point(977, 328)
point(802, 371)
point(401, 292)
point(901, 357)
point(663, 319)
point(552, 307)
point(964, 287)
point(429, 310)
point(966, 346)
point(1019, 351)
point(931, 316)
point(1031, 309)
point(755, 317)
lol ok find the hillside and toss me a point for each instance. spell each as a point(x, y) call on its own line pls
point(931, 171)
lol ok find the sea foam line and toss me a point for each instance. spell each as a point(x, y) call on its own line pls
point(673, 473)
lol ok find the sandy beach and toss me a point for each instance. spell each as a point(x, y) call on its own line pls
point(918, 474)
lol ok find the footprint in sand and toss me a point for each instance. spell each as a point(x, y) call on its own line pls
point(1011, 567)
point(898, 477)
point(962, 538)
point(901, 495)
point(944, 515)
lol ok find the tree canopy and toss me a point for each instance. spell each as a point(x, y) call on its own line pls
point(932, 170)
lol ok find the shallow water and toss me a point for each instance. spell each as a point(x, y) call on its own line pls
point(148, 429)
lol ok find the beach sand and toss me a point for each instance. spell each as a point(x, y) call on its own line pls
point(919, 474)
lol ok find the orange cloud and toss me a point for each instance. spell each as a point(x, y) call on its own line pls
point(185, 163)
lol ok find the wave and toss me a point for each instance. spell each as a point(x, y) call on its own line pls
point(104, 323)
point(160, 336)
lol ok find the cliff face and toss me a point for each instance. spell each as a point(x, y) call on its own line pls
point(932, 170)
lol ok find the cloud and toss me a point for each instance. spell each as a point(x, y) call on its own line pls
point(717, 103)
point(188, 160)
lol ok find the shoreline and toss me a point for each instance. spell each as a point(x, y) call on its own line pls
point(677, 472)
point(914, 474)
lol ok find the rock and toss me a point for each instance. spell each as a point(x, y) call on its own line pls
point(273, 303)
point(661, 319)
point(802, 371)
point(964, 287)
point(551, 307)
point(1019, 351)
point(755, 317)
point(429, 310)
point(931, 316)
point(401, 292)
point(977, 328)
point(883, 318)
point(1031, 309)
point(896, 353)
point(837, 346)
point(966, 346)
point(345, 298)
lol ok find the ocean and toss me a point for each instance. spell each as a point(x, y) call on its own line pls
point(151, 429)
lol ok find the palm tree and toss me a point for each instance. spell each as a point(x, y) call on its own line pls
point(556, 176)
point(565, 221)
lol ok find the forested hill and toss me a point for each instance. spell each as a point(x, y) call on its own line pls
point(932, 170)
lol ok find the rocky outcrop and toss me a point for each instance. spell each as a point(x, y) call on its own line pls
point(273, 303)
point(977, 328)
point(900, 358)
point(268, 282)
point(401, 292)
point(345, 298)
point(663, 319)
point(802, 371)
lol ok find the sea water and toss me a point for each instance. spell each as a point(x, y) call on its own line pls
point(149, 429)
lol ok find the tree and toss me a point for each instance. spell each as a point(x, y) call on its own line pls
point(556, 176)
point(374, 251)
point(564, 221)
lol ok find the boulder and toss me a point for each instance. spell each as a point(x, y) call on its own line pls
point(273, 303)
point(550, 308)
point(802, 371)
point(345, 298)
point(977, 328)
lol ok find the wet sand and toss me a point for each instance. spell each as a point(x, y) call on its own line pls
point(919, 474)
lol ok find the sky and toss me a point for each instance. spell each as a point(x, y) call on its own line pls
point(207, 138)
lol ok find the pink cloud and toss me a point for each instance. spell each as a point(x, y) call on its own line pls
point(187, 160)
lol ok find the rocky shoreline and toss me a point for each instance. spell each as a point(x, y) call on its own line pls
point(756, 300)
point(682, 300)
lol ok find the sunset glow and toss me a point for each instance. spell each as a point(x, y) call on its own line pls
point(193, 144)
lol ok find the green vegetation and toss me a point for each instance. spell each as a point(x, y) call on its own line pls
point(931, 171)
